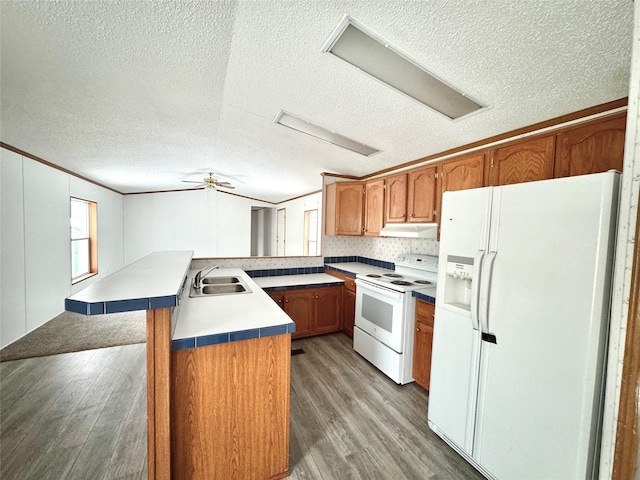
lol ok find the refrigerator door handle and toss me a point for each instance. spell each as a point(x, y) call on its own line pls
point(484, 292)
point(475, 289)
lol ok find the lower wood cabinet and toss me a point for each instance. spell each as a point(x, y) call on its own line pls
point(314, 310)
point(422, 342)
point(348, 302)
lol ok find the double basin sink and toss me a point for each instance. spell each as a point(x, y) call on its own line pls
point(223, 285)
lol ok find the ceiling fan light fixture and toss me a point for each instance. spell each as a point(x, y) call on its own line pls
point(304, 126)
point(354, 44)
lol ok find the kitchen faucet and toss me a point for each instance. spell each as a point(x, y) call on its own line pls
point(197, 280)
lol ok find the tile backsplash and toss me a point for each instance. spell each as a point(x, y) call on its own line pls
point(379, 248)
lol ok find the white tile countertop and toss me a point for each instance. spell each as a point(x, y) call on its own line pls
point(152, 282)
point(214, 319)
point(355, 267)
point(292, 281)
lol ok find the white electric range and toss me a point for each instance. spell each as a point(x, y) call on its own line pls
point(385, 310)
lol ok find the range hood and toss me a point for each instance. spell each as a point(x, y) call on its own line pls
point(410, 230)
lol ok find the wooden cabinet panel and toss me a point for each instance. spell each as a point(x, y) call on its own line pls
point(343, 206)
point(462, 173)
point(327, 309)
point(299, 305)
point(422, 342)
point(230, 408)
point(522, 162)
point(373, 207)
point(592, 148)
point(421, 194)
point(396, 199)
point(348, 312)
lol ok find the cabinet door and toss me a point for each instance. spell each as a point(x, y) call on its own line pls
point(327, 309)
point(373, 207)
point(396, 199)
point(299, 305)
point(522, 162)
point(277, 297)
point(348, 312)
point(463, 173)
point(349, 209)
point(593, 148)
point(421, 194)
point(422, 342)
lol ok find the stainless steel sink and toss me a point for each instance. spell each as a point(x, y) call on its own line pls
point(225, 285)
point(218, 280)
point(221, 289)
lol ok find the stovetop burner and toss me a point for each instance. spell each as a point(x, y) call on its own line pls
point(392, 275)
point(373, 275)
point(423, 282)
point(400, 282)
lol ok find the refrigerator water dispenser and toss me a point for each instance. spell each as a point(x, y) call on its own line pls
point(458, 283)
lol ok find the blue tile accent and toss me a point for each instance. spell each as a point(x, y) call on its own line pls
point(244, 334)
point(96, 308)
point(163, 302)
point(183, 343)
point(274, 330)
point(212, 339)
point(291, 327)
point(127, 305)
point(423, 296)
point(76, 307)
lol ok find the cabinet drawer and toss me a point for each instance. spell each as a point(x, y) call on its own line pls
point(425, 312)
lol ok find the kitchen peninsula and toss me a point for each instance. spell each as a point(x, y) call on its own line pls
point(218, 369)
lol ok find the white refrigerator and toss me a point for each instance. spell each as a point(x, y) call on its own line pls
point(521, 325)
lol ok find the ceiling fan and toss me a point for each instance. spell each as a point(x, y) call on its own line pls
point(211, 183)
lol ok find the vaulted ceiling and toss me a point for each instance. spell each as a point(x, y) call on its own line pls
point(140, 95)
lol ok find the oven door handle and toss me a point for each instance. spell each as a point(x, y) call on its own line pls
point(377, 290)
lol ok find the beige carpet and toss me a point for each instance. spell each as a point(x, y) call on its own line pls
point(72, 332)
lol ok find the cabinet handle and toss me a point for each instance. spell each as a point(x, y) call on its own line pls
point(317, 297)
point(417, 329)
point(286, 301)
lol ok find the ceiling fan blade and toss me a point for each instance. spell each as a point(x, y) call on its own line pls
point(225, 185)
point(193, 181)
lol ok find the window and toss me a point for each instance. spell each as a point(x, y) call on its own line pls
point(84, 239)
point(311, 233)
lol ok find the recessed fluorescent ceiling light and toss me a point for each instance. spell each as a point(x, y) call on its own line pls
point(354, 44)
point(304, 126)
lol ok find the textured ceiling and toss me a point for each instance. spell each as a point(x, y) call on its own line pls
point(138, 95)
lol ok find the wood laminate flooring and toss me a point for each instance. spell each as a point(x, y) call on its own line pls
point(83, 416)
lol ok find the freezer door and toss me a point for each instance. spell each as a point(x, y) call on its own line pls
point(454, 378)
point(541, 381)
point(456, 340)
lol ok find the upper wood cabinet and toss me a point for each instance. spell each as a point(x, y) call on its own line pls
point(421, 194)
point(343, 208)
point(373, 207)
point(592, 148)
point(396, 199)
point(462, 173)
point(522, 162)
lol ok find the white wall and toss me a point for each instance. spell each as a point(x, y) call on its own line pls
point(295, 209)
point(12, 286)
point(36, 245)
point(213, 224)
